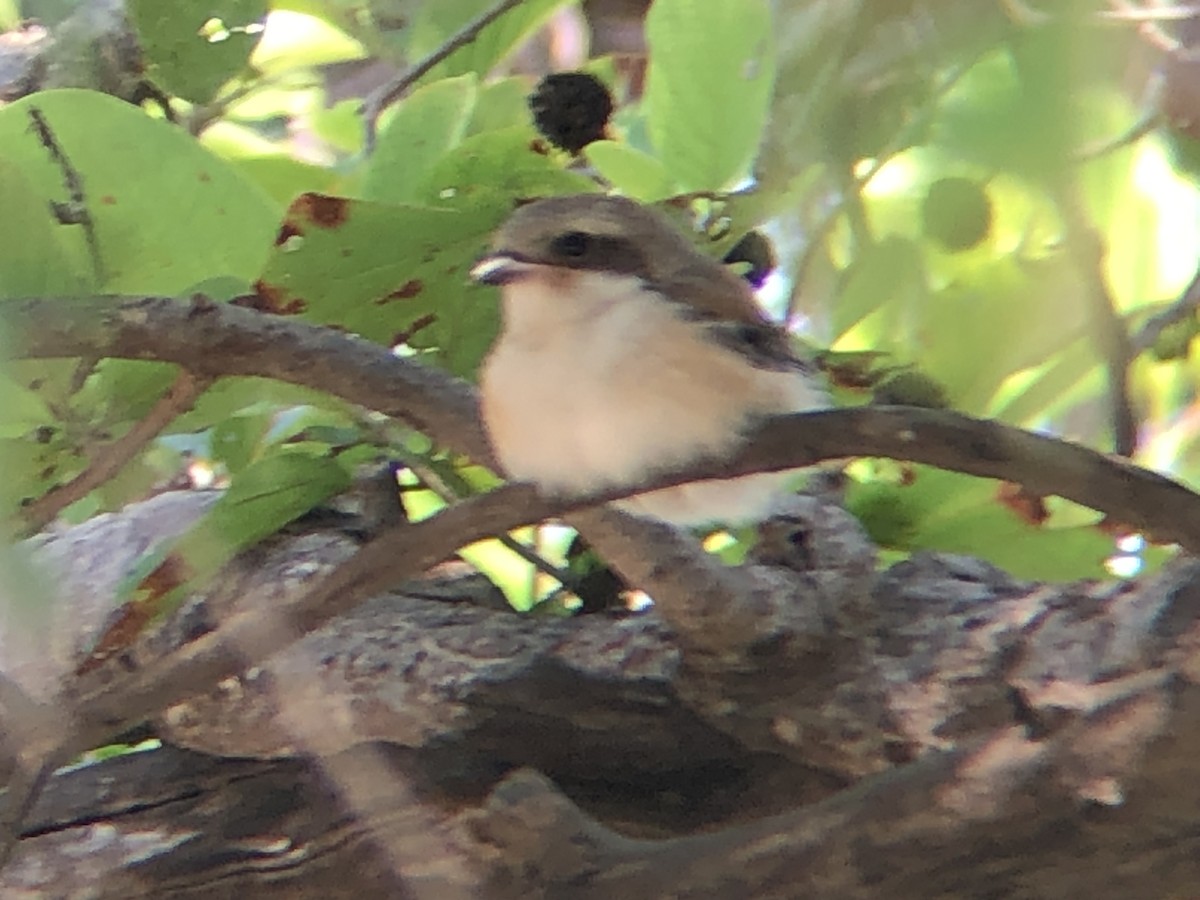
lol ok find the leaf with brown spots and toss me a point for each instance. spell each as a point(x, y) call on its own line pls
point(403, 337)
point(406, 291)
point(322, 210)
point(388, 270)
point(1030, 507)
point(270, 300)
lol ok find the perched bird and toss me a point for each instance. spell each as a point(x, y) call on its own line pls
point(623, 352)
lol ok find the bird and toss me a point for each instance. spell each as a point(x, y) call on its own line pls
point(623, 351)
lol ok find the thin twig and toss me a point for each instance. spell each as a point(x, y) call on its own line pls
point(1108, 326)
point(1128, 12)
point(110, 459)
point(203, 116)
point(450, 490)
point(75, 210)
point(21, 792)
point(84, 369)
point(383, 97)
point(33, 737)
point(1185, 306)
point(1150, 117)
point(900, 140)
point(1147, 24)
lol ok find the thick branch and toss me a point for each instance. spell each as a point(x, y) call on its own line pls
point(212, 339)
point(219, 339)
point(1135, 496)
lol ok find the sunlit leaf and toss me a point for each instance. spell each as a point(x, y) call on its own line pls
point(708, 87)
point(167, 213)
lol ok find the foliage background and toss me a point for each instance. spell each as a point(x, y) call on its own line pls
point(985, 197)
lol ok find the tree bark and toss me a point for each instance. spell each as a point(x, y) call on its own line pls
point(941, 730)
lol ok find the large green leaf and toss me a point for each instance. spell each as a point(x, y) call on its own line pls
point(261, 499)
point(394, 274)
point(268, 164)
point(398, 273)
point(932, 509)
point(488, 174)
point(634, 173)
point(708, 87)
point(168, 214)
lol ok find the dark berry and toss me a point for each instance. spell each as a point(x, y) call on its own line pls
point(957, 213)
point(571, 109)
point(756, 249)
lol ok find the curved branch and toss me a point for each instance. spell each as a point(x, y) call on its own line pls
point(220, 339)
point(1141, 498)
point(211, 339)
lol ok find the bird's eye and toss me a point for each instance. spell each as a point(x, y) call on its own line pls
point(572, 243)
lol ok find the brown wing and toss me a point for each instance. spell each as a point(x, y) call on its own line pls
point(724, 303)
point(714, 292)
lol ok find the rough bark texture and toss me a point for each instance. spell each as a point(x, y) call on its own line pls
point(937, 730)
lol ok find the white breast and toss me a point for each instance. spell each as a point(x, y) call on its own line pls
point(603, 388)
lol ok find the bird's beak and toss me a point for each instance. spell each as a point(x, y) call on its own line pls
point(499, 269)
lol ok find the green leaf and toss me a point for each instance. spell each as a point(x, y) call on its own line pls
point(708, 87)
point(32, 463)
point(192, 47)
point(21, 410)
point(500, 104)
point(953, 513)
point(959, 325)
point(632, 172)
point(881, 292)
point(421, 130)
point(231, 395)
point(167, 212)
point(237, 440)
point(265, 163)
point(120, 390)
point(398, 274)
point(38, 256)
point(489, 173)
point(394, 274)
point(270, 493)
point(303, 38)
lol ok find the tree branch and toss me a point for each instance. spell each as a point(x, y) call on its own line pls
point(1137, 497)
point(213, 339)
point(219, 339)
point(1108, 328)
point(1184, 307)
